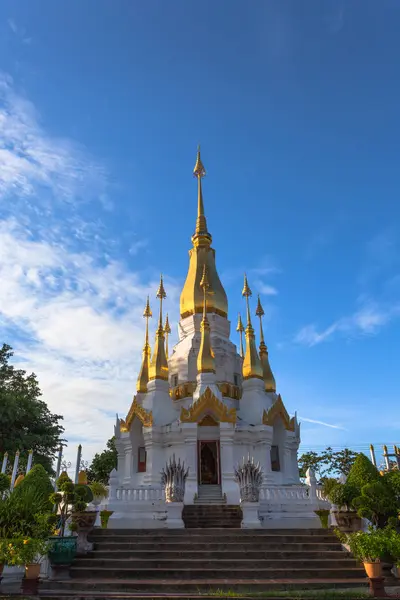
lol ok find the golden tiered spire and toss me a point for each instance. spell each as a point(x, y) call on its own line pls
point(159, 365)
point(205, 359)
point(202, 254)
point(240, 329)
point(251, 365)
point(201, 235)
point(269, 379)
point(143, 378)
point(167, 331)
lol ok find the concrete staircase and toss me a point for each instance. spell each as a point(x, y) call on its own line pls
point(210, 494)
point(211, 516)
point(140, 563)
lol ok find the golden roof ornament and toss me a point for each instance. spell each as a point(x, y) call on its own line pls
point(201, 254)
point(167, 331)
point(205, 358)
point(201, 235)
point(159, 364)
point(269, 379)
point(252, 367)
point(240, 330)
point(143, 378)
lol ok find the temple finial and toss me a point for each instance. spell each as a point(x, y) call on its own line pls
point(246, 292)
point(269, 379)
point(251, 364)
point(205, 359)
point(159, 364)
point(240, 330)
point(201, 235)
point(167, 331)
point(143, 377)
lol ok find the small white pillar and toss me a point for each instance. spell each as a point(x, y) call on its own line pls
point(174, 515)
point(250, 519)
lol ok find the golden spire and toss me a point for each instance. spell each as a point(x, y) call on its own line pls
point(251, 365)
point(202, 254)
point(205, 358)
point(159, 365)
point(167, 331)
point(201, 223)
point(269, 379)
point(143, 378)
point(240, 329)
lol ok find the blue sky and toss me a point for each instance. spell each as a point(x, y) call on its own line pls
point(295, 104)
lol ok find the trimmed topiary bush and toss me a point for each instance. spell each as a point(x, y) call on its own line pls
point(38, 480)
point(361, 473)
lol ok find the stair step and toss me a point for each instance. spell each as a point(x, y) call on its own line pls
point(180, 586)
point(211, 563)
point(216, 555)
point(214, 573)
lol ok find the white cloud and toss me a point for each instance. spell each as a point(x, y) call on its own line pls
point(33, 161)
point(366, 321)
point(265, 289)
point(321, 423)
point(80, 328)
point(73, 316)
point(137, 246)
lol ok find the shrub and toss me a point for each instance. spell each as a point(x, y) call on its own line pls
point(99, 490)
point(392, 478)
point(38, 480)
point(4, 483)
point(20, 516)
point(377, 503)
point(361, 473)
point(370, 546)
point(70, 498)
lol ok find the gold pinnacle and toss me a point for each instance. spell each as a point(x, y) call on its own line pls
point(239, 324)
point(161, 292)
point(167, 328)
point(199, 170)
point(147, 310)
point(259, 310)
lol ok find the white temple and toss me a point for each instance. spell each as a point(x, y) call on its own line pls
point(208, 404)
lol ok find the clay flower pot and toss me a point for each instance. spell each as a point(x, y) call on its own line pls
point(373, 569)
point(32, 571)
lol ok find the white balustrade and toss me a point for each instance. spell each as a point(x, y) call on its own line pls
point(139, 494)
point(283, 494)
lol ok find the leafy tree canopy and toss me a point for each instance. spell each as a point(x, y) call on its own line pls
point(103, 463)
point(25, 420)
point(327, 462)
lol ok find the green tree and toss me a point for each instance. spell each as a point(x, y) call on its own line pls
point(103, 463)
point(25, 420)
point(327, 463)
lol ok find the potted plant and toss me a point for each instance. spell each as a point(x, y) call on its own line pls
point(369, 547)
point(341, 496)
point(62, 549)
point(104, 517)
point(31, 552)
point(5, 556)
point(99, 491)
point(394, 549)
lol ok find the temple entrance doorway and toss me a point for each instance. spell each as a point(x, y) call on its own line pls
point(209, 466)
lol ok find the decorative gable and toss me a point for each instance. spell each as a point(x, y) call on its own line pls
point(208, 404)
point(278, 410)
point(146, 417)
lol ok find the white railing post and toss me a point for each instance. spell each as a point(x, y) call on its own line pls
point(29, 465)
point(14, 471)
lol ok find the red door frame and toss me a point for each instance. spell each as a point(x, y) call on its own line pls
point(199, 443)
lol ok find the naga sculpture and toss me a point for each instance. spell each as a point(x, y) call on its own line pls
point(173, 480)
point(249, 476)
